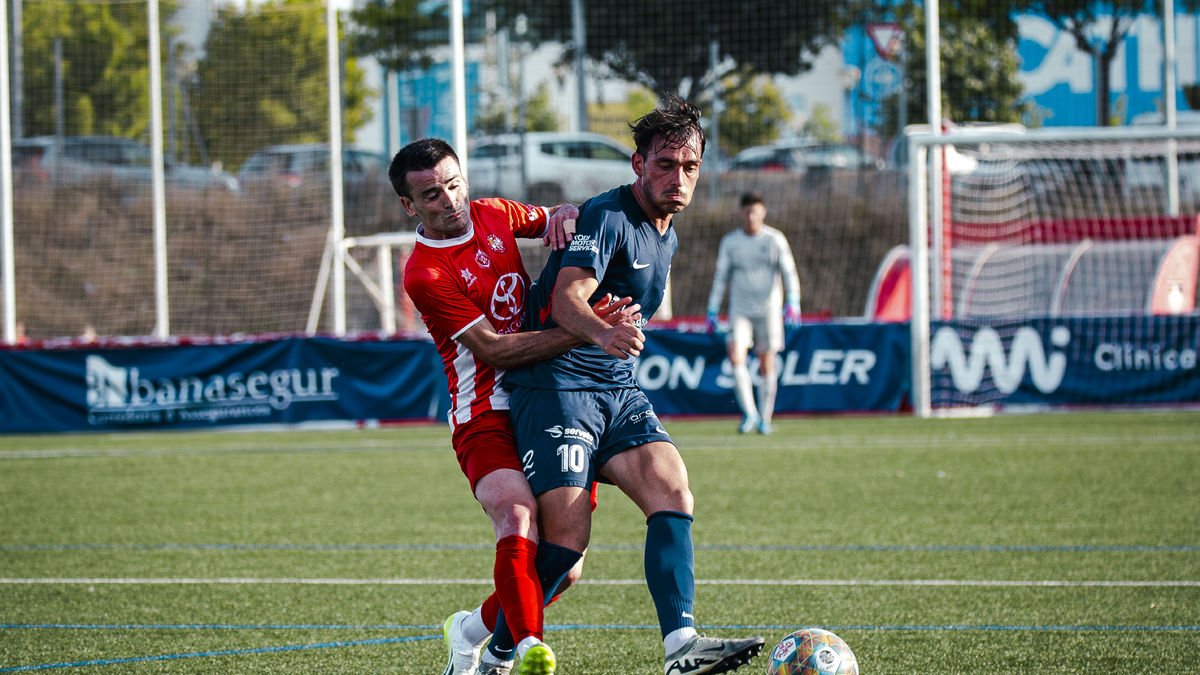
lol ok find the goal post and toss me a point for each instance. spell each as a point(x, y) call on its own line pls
point(1052, 267)
point(373, 299)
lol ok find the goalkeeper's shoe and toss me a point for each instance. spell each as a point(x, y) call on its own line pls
point(712, 655)
point(463, 656)
point(537, 660)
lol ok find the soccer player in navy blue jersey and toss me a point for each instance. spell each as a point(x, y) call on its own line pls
point(581, 416)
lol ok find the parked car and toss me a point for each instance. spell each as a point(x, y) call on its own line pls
point(803, 156)
point(559, 166)
point(74, 160)
point(301, 172)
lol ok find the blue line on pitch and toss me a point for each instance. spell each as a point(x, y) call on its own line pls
point(212, 626)
point(832, 548)
point(225, 652)
point(603, 626)
point(423, 638)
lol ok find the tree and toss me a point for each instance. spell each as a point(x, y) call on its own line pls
point(399, 33)
point(665, 46)
point(979, 70)
point(822, 126)
point(264, 80)
point(539, 114)
point(105, 67)
point(1084, 22)
point(755, 111)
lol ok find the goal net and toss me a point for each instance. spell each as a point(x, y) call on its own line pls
point(366, 295)
point(1051, 267)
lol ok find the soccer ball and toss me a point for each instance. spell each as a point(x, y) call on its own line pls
point(812, 651)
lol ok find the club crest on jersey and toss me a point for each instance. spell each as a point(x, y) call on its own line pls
point(495, 243)
point(467, 276)
point(482, 259)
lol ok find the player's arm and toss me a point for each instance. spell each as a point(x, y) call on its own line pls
point(520, 349)
point(791, 281)
point(571, 311)
point(719, 284)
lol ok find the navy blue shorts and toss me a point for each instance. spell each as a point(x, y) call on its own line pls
point(563, 437)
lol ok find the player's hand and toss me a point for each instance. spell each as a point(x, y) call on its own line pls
point(710, 322)
point(623, 341)
point(561, 227)
point(791, 315)
point(615, 311)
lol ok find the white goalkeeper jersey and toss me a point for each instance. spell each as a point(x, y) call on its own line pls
point(757, 270)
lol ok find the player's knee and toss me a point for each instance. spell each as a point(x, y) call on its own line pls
point(573, 576)
point(516, 514)
point(682, 499)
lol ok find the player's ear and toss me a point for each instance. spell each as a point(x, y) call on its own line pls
point(639, 163)
point(408, 206)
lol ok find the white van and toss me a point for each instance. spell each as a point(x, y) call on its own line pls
point(559, 166)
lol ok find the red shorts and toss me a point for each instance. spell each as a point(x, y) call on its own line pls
point(486, 444)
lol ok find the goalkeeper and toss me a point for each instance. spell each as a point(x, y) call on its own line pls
point(755, 264)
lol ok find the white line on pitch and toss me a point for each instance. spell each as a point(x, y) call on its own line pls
point(298, 581)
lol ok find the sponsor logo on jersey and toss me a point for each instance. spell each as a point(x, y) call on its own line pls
point(559, 431)
point(508, 298)
point(639, 416)
point(532, 213)
point(1026, 354)
point(467, 276)
point(637, 265)
point(495, 243)
point(584, 242)
point(482, 259)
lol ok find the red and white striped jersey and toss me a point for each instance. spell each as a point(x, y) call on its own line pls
point(477, 276)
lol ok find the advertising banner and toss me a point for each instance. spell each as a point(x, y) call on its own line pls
point(271, 382)
point(824, 367)
point(1066, 361)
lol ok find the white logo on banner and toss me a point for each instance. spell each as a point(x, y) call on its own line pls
point(120, 395)
point(1026, 354)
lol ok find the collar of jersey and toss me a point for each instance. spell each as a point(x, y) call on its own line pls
point(446, 243)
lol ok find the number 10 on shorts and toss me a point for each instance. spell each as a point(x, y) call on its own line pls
point(573, 458)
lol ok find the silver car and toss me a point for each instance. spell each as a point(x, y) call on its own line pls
point(80, 160)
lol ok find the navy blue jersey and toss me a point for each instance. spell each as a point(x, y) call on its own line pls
point(616, 240)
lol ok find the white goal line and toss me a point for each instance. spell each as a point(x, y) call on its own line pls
point(335, 581)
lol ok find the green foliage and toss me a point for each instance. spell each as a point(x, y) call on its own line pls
point(105, 67)
point(399, 33)
point(665, 47)
point(503, 114)
point(979, 75)
point(755, 111)
point(1079, 19)
point(821, 125)
point(264, 80)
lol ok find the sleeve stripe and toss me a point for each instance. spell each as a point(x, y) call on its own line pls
point(464, 328)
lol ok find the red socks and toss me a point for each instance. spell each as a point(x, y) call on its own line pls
point(518, 590)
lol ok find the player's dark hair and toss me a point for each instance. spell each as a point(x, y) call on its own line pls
point(420, 155)
point(752, 198)
point(672, 124)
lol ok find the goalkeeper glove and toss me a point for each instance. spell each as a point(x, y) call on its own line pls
point(791, 314)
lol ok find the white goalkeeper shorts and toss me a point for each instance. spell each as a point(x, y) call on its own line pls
point(762, 333)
